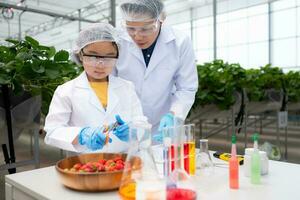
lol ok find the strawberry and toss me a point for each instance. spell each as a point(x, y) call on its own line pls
point(117, 158)
point(102, 161)
point(77, 166)
point(119, 166)
point(101, 168)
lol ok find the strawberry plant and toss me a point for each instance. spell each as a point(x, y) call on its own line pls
point(29, 66)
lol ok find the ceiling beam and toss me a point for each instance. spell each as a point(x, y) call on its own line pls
point(43, 12)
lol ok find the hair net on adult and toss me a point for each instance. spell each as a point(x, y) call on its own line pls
point(142, 10)
point(94, 33)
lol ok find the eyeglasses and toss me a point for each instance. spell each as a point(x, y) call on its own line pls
point(142, 30)
point(105, 61)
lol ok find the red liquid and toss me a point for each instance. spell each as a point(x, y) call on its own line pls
point(186, 157)
point(233, 173)
point(172, 151)
point(181, 194)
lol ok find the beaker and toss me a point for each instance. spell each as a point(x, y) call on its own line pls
point(140, 179)
point(179, 183)
point(205, 165)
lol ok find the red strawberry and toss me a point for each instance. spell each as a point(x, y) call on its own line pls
point(102, 161)
point(119, 166)
point(77, 166)
point(101, 168)
point(117, 158)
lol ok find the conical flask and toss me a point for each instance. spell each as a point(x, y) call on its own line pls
point(204, 161)
point(180, 186)
point(140, 179)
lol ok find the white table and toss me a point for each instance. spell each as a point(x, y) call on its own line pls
point(282, 182)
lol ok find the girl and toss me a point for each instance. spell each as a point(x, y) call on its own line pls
point(81, 108)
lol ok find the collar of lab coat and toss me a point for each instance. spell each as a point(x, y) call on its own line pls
point(166, 35)
point(113, 99)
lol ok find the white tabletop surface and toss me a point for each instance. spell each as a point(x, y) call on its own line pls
point(282, 182)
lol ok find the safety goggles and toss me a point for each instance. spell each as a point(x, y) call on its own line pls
point(146, 30)
point(105, 61)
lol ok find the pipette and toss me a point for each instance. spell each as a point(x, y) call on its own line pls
point(108, 129)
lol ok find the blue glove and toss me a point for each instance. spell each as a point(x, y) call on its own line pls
point(93, 138)
point(166, 121)
point(122, 131)
point(157, 138)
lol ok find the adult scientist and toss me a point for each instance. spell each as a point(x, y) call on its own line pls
point(158, 60)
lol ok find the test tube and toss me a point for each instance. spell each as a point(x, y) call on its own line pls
point(189, 151)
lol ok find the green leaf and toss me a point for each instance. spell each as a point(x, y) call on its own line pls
point(61, 56)
point(37, 67)
point(52, 74)
point(32, 41)
point(23, 56)
point(4, 79)
point(51, 52)
point(17, 87)
point(12, 41)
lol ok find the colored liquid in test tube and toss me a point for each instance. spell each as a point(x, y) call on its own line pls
point(192, 158)
point(189, 151)
point(172, 153)
point(186, 157)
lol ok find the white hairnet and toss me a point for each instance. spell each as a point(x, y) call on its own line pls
point(94, 33)
point(142, 10)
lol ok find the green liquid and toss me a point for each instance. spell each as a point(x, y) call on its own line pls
point(255, 168)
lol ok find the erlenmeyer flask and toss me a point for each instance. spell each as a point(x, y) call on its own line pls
point(180, 186)
point(204, 162)
point(140, 178)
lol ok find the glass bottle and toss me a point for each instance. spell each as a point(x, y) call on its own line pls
point(255, 162)
point(233, 166)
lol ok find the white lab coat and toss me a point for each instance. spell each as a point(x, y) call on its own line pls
point(75, 105)
point(170, 81)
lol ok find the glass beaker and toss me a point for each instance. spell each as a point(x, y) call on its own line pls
point(140, 179)
point(204, 161)
point(179, 184)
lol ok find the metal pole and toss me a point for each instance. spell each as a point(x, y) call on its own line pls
point(79, 22)
point(192, 24)
point(270, 33)
point(52, 14)
point(215, 28)
point(8, 28)
point(113, 12)
point(20, 33)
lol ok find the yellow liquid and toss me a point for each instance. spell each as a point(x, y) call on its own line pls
point(127, 192)
point(192, 158)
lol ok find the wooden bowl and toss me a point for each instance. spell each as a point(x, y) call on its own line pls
point(85, 181)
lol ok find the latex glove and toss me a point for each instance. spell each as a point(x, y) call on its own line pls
point(122, 131)
point(93, 138)
point(166, 121)
point(157, 138)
